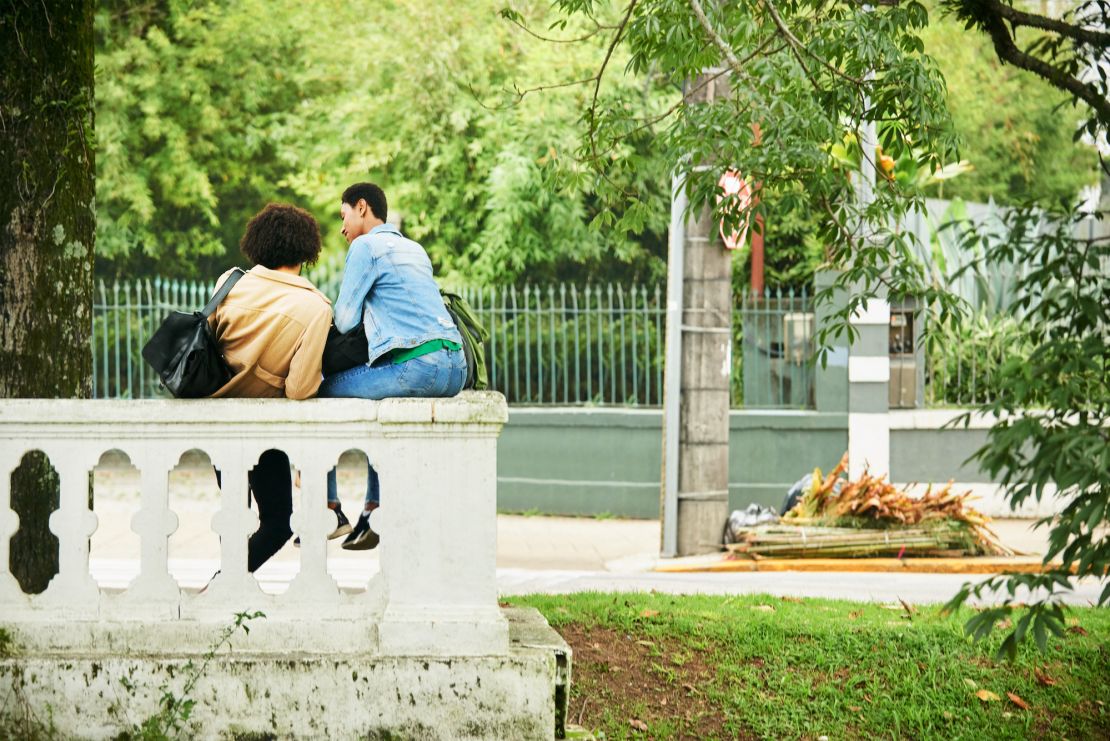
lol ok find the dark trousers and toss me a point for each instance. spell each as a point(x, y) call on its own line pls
point(272, 488)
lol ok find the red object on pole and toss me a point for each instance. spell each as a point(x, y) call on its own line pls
point(757, 254)
point(757, 233)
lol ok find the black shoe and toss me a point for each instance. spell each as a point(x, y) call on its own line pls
point(362, 538)
point(342, 526)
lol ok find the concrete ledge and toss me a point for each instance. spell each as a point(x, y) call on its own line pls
point(628, 417)
point(937, 419)
point(473, 407)
point(291, 693)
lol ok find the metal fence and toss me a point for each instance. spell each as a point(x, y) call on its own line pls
point(124, 317)
point(555, 344)
point(965, 359)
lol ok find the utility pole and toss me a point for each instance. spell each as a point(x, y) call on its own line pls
point(869, 352)
point(698, 365)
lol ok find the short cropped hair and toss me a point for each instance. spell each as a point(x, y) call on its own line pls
point(372, 194)
point(281, 235)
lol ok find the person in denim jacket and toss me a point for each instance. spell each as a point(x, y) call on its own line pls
point(414, 347)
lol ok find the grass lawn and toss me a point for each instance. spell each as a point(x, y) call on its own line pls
point(661, 666)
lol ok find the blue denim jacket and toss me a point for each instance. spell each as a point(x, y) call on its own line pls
point(388, 284)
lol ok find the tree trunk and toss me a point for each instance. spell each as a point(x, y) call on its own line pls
point(47, 207)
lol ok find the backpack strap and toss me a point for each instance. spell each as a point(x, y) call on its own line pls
point(221, 294)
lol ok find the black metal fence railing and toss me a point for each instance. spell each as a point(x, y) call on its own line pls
point(549, 345)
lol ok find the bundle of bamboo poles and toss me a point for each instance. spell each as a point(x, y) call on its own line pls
point(870, 517)
point(800, 541)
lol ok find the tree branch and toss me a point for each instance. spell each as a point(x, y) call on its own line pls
point(521, 93)
point(720, 43)
point(1075, 31)
point(799, 46)
point(601, 73)
point(598, 28)
point(647, 122)
point(1008, 51)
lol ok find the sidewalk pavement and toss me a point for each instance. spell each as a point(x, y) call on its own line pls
point(538, 554)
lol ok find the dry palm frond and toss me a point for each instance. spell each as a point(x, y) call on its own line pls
point(871, 501)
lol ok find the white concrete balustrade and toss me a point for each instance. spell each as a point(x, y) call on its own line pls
point(436, 593)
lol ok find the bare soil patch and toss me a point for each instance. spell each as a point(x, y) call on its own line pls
point(633, 686)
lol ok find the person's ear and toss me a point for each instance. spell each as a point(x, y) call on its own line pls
point(363, 207)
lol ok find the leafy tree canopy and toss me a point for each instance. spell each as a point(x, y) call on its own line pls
point(209, 109)
point(1016, 129)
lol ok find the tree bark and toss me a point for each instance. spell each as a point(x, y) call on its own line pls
point(47, 224)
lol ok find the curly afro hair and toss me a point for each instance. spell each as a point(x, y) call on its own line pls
point(281, 235)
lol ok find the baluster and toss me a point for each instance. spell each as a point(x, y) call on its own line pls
point(117, 390)
point(526, 315)
point(313, 585)
point(624, 357)
point(659, 347)
point(633, 317)
point(589, 348)
point(154, 592)
point(787, 373)
point(145, 311)
point(515, 326)
point(234, 588)
point(601, 327)
point(577, 350)
point(538, 295)
point(807, 347)
point(129, 352)
point(97, 310)
point(563, 324)
point(553, 374)
point(494, 320)
point(72, 592)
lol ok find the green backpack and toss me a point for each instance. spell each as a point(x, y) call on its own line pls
point(474, 337)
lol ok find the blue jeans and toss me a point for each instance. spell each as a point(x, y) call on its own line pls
point(373, 494)
point(437, 374)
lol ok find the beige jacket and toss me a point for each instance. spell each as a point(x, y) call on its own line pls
point(271, 329)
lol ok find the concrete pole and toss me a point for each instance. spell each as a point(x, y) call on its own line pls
point(868, 355)
point(704, 370)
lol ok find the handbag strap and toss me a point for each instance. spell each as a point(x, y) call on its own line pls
point(221, 294)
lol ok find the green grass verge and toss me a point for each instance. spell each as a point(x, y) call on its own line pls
point(774, 668)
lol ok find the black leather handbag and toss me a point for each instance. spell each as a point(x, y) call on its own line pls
point(184, 352)
point(345, 350)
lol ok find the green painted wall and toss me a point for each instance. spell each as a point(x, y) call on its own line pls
point(935, 456)
point(581, 461)
point(769, 451)
point(591, 461)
